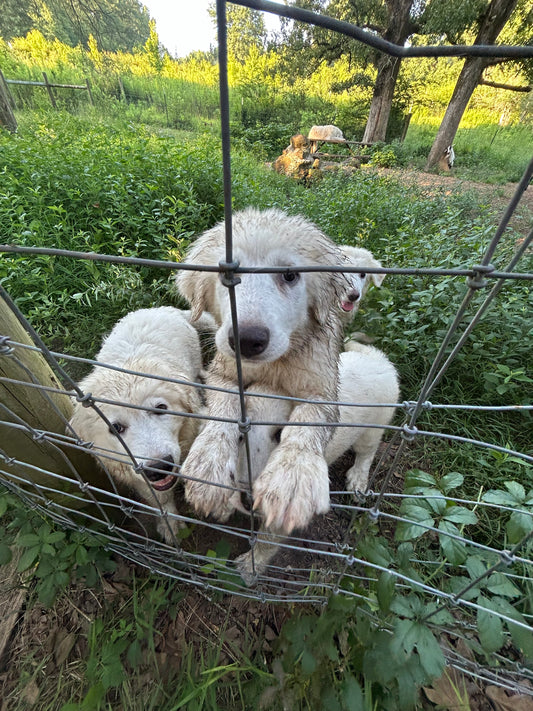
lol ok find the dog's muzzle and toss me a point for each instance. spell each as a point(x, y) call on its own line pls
point(253, 340)
point(159, 473)
point(351, 298)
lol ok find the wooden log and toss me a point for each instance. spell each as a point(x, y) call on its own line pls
point(32, 401)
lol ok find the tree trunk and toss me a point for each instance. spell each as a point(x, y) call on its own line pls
point(380, 108)
point(491, 25)
point(399, 28)
point(7, 117)
point(25, 409)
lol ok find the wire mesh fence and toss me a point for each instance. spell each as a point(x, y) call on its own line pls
point(470, 586)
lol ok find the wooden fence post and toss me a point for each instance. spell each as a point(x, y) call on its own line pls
point(406, 122)
point(49, 90)
point(22, 404)
point(89, 91)
point(7, 117)
point(122, 92)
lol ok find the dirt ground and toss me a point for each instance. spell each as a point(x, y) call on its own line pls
point(496, 197)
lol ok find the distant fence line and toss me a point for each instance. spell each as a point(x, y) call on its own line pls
point(48, 85)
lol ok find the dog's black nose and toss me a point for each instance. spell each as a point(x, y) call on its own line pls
point(353, 296)
point(158, 469)
point(252, 339)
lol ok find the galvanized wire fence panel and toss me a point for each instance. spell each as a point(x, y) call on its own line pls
point(487, 580)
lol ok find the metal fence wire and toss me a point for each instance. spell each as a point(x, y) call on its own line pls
point(344, 558)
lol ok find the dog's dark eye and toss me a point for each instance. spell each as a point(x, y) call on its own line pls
point(290, 277)
point(161, 406)
point(117, 428)
point(363, 275)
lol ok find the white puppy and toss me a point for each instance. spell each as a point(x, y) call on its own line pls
point(366, 377)
point(142, 447)
point(358, 281)
point(289, 338)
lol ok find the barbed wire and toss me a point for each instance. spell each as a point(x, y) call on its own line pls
point(319, 567)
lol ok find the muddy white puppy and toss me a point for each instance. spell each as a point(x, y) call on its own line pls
point(160, 342)
point(367, 378)
point(289, 335)
point(359, 281)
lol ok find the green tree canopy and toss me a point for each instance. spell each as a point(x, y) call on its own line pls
point(115, 24)
point(246, 30)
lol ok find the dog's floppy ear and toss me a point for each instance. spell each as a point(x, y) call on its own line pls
point(325, 291)
point(83, 422)
point(377, 278)
point(325, 288)
point(199, 287)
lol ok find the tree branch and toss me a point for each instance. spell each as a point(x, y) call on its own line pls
point(509, 87)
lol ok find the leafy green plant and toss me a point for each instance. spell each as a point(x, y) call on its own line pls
point(50, 557)
point(430, 508)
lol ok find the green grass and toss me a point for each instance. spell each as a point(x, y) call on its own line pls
point(485, 152)
point(117, 188)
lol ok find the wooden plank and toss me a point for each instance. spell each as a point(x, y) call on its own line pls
point(41, 83)
point(341, 141)
point(342, 156)
point(13, 595)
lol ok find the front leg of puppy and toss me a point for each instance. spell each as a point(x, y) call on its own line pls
point(169, 526)
point(210, 467)
point(294, 485)
point(252, 564)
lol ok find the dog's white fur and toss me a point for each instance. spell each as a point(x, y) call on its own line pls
point(366, 377)
point(160, 342)
point(359, 281)
point(289, 334)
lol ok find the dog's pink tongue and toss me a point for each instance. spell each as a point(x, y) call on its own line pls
point(347, 305)
point(164, 484)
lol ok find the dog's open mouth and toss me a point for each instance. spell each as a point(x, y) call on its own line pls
point(165, 483)
point(161, 473)
point(347, 305)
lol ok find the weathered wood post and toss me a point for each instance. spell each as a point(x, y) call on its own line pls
point(7, 117)
point(89, 91)
point(49, 90)
point(26, 408)
point(122, 91)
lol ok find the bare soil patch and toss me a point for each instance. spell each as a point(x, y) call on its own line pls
point(495, 197)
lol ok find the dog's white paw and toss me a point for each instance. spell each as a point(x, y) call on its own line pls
point(357, 479)
point(209, 474)
point(292, 488)
point(246, 568)
point(251, 565)
point(168, 529)
point(232, 505)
